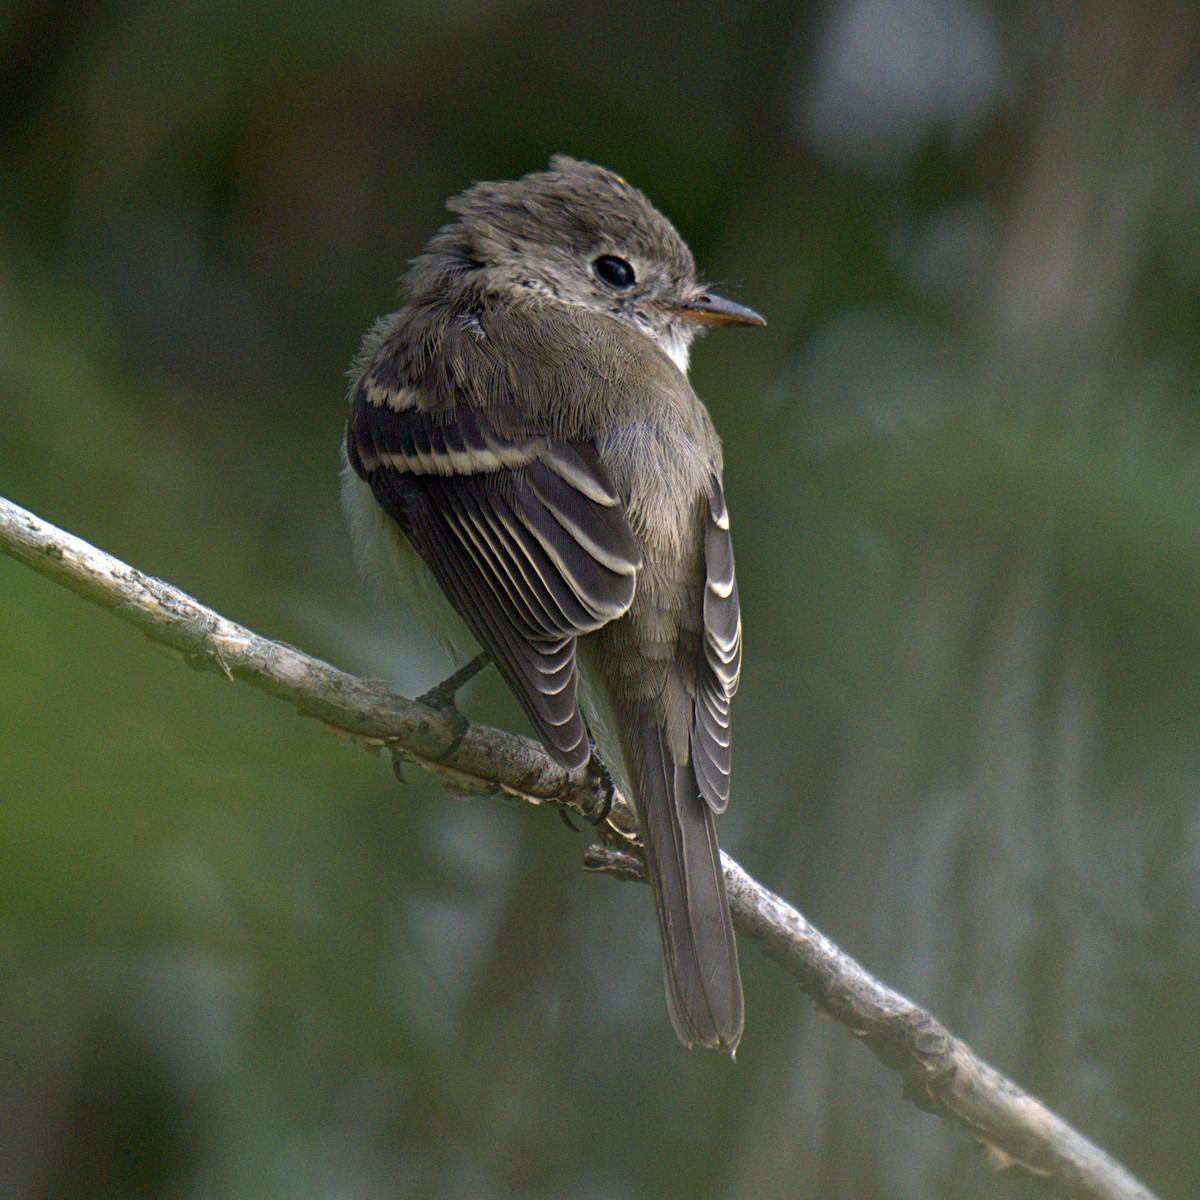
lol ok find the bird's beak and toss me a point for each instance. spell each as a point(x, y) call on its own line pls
point(707, 309)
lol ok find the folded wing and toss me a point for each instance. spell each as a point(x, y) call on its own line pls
point(718, 677)
point(525, 534)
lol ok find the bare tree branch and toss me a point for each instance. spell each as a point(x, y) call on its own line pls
point(941, 1074)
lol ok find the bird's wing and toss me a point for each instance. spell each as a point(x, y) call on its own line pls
point(718, 677)
point(523, 531)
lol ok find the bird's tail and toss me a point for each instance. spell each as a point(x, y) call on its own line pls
point(704, 988)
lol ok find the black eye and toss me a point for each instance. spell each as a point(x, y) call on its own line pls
point(616, 272)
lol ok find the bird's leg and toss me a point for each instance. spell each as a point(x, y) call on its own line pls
point(443, 697)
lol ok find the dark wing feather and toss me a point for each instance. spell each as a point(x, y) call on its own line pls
point(718, 678)
point(525, 535)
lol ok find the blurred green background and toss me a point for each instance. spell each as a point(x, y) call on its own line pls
point(238, 959)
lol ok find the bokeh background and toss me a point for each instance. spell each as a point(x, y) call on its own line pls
point(239, 959)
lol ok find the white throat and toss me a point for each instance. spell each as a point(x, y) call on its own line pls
point(676, 345)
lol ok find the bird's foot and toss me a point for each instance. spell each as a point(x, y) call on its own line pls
point(442, 699)
point(604, 785)
point(602, 782)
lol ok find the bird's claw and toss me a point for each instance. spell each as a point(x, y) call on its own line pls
point(608, 789)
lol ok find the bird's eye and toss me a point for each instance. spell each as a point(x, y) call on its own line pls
point(616, 272)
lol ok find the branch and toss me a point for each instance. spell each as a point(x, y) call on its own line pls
point(941, 1074)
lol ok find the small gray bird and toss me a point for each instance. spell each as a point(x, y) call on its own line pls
point(524, 441)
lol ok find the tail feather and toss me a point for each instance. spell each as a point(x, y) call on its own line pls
point(704, 988)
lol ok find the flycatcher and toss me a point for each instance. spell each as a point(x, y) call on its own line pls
point(523, 437)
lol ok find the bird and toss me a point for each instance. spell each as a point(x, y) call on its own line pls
point(526, 460)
